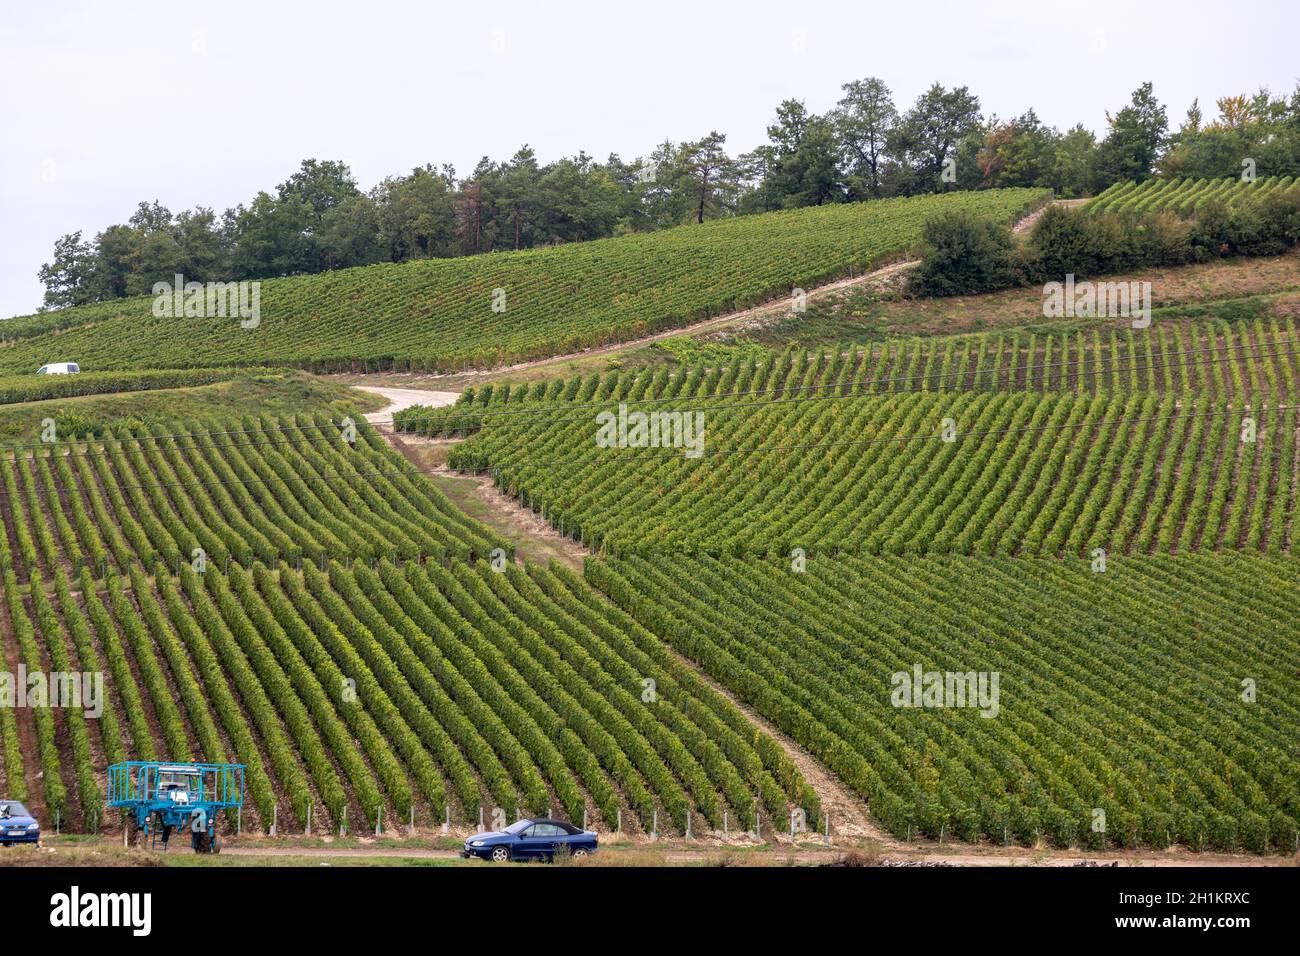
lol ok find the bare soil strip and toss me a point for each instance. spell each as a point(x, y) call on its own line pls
point(1027, 223)
point(478, 497)
point(707, 851)
point(848, 813)
point(403, 398)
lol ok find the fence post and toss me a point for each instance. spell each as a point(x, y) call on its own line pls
point(724, 822)
point(480, 818)
point(654, 826)
point(688, 824)
point(309, 819)
point(412, 819)
point(343, 824)
point(618, 823)
point(379, 821)
point(275, 813)
point(239, 821)
point(447, 821)
point(828, 828)
point(584, 818)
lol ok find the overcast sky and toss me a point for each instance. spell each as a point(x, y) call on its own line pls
point(105, 105)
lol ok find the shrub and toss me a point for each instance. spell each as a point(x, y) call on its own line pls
point(1162, 239)
point(1061, 243)
point(1211, 231)
point(964, 254)
point(1280, 216)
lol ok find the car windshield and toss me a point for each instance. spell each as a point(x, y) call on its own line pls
point(519, 826)
point(12, 808)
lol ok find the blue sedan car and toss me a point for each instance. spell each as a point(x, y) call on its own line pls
point(531, 840)
point(17, 825)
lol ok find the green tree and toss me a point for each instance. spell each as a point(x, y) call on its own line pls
point(800, 164)
point(270, 237)
point(1074, 164)
point(519, 195)
point(416, 214)
point(927, 135)
point(1137, 135)
point(69, 276)
point(710, 174)
point(349, 234)
point(202, 248)
point(863, 120)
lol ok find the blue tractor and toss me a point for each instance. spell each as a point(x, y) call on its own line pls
point(163, 797)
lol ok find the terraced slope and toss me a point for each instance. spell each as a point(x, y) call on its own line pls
point(448, 314)
point(446, 690)
point(399, 676)
point(1218, 359)
point(1023, 473)
point(1150, 704)
point(1185, 196)
point(241, 490)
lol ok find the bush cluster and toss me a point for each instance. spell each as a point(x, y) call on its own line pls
point(964, 254)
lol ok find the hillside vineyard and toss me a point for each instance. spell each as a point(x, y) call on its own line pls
point(398, 675)
point(1150, 730)
point(973, 473)
point(437, 315)
point(1185, 197)
point(1033, 586)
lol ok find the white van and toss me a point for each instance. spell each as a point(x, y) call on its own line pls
point(59, 368)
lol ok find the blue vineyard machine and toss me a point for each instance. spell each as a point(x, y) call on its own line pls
point(162, 797)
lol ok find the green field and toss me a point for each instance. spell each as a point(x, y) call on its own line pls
point(1102, 516)
point(1243, 358)
point(1122, 691)
point(400, 674)
point(161, 400)
point(1024, 473)
point(1185, 196)
point(439, 314)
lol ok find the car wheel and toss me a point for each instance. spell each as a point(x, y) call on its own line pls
point(579, 853)
point(500, 854)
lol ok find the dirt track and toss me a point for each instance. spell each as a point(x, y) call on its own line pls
point(766, 310)
point(784, 855)
point(403, 398)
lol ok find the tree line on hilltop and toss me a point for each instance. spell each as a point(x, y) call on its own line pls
point(865, 147)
